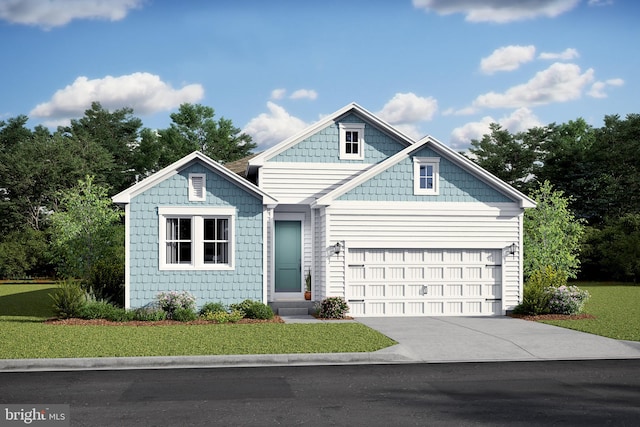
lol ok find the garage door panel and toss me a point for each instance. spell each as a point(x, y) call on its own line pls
point(423, 282)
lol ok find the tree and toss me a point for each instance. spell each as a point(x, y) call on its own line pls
point(116, 133)
point(33, 172)
point(193, 128)
point(613, 253)
point(552, 234)
point(85, 229)
point(568, 165)
point(512, 158)
point(23, 254)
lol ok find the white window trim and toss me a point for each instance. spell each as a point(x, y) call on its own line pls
point(197, 216)
point(425, 161)
point(193, 197)
point(344, 127)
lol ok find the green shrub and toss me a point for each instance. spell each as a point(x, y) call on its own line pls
point(536, 295)
point(97, 310)
point(106, 311)
point(106, 281)
point(224, 317)
point(333, 308)
point(253, 309)
point(184, 314)
point(212, 307)
point(149, 314)
point(68, 299)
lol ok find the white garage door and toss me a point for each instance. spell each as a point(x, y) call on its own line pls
point(424, 282)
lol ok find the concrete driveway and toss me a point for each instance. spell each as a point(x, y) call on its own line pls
point(476, 339)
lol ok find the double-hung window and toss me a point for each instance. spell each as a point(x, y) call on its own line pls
point(351, 141)
point(426, 175)
point(196, 238)
point(178, 240)
point(216, 240)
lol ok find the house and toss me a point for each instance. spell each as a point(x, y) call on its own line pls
point(395, 226)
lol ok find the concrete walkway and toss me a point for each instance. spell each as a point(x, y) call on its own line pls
point(420, 340)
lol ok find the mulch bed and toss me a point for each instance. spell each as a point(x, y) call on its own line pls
point(553, 317)
point(102, 322)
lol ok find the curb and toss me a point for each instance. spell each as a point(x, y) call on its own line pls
point(177, 362)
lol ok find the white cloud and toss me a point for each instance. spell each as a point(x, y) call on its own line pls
point(54, 13)
point(500, 11)
point(558, 83)
point(143, 92)
point(275, 126)
point(304, 94)
point(565, 55)
point(600, 2)
point(598, 88)
point(507, 58)
point(408, 108)
point(519, 120)
point(278, 93)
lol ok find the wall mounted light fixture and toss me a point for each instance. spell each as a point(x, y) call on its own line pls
point(512, 248)
point(337, 248)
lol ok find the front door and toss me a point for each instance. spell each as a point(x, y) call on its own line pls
point(288, 259)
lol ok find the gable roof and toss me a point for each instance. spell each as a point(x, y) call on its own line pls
point(383, 126)
point(124, 197)
point(445, 152)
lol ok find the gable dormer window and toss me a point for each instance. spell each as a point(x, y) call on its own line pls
point(351, 141)
point(197, 187)
point(426, 175)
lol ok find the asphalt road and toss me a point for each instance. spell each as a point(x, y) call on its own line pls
point(577, 393)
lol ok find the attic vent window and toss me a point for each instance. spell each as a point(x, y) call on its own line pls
point(197, 187)
point(351, 141)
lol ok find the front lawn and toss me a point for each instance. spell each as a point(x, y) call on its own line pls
point(616, 308)
point(23, 308)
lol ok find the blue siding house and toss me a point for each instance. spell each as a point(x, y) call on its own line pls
point(397, 227)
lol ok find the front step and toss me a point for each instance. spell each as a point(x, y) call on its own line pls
point(293, 311)
point(292, 308)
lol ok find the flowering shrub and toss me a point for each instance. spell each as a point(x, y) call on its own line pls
point(332, 308)
point(172, 301)
point(567, 299)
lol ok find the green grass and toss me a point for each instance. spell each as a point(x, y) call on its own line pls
point(26, 302)
point(616, 307)
point(24, 335)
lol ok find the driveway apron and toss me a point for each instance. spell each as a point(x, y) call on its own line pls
point(474, 339)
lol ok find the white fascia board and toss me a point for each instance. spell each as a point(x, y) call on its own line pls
point(328, 198)
point(125, 196)
point(479, 172)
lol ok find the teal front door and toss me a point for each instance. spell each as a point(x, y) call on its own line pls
point(288, 257)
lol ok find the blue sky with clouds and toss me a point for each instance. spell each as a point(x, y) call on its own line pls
point(446, 68)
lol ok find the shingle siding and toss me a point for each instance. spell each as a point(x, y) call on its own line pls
point(396, 184)
point(324, 146)
point(244, 281)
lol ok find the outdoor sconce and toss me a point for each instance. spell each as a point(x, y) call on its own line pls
point(512, 249)
point(337, 248)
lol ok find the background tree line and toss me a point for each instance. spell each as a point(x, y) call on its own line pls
point(53, 184)
point(597, 170)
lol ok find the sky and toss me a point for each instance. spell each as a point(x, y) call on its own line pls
point(445, 68)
